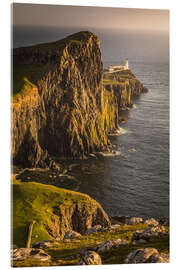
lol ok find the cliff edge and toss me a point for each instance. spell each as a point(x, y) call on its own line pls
point(61, 104)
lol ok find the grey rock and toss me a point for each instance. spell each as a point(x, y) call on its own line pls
point(108, 245)
point(33, 253)
point(135, 220)
point(90, 257)
point(93, 229)
point(71, 234)
point(43, 244)
point(147, 233)
point(140, 255)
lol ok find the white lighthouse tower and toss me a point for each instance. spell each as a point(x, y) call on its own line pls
point(126, 64)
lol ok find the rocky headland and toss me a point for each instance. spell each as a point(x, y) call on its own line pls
point(64, 105)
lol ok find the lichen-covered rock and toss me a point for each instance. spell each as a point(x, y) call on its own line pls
point(29, 253)
point(93, 229)
point(140, 255)
point(71, 234)
point(110, 244)
point(90, 257)
point(151, 221)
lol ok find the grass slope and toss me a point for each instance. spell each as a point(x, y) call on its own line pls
point(34, 201)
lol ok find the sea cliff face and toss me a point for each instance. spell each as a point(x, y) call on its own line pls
point(63, 105)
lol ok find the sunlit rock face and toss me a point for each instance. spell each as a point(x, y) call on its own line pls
point(64, 109)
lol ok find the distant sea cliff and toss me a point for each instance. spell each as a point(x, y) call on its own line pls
point(63, 103)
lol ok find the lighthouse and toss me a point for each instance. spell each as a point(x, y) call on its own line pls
point(126, 64)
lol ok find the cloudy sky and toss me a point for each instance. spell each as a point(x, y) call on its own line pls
point(116, 18)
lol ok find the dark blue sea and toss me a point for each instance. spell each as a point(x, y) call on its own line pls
point(135, 182)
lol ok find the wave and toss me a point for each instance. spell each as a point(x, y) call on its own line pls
point(119, 131)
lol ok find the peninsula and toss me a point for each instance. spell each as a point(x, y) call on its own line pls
point(65, 105)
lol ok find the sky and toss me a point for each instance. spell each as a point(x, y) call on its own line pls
point(95, 17)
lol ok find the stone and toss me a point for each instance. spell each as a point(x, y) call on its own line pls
point(140, 241)
point(147, 233)
point(29, 253)
point(140, 255)
point(71, 234)
point(135, 220)
point(90, 257)
point(151, 221)
point(110, 244)
point(114, 227)
point(159, 258)
point(93, 229)
point(43, 244)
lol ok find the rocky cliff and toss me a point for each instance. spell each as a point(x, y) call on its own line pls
point(62, 106)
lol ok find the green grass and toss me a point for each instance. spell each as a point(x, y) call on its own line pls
point(25, 78)
point(34, 201)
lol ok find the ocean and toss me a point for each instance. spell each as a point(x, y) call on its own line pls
point(135, 182)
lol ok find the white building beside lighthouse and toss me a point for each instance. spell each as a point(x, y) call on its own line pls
point(118, 68)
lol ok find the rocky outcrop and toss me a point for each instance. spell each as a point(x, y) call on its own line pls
point(71, 235)
point(110, 245)
point(94, 229)
point(124, 85)
point(151, 221)
point(61, 106)
point(57, 212)
point(30, 253)
point(142, 236)
point(135, 220)
point(90, 257)
point(147, 255)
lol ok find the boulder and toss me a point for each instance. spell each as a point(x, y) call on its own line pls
point(159, 258)
point(151, 221)
point(135, 220)
point(90, 257)
point(114, 227)
point(43, 244)
point(29, 253)
point(154, 231)
point(93, 229)
point(108, 245)
point(140, 255)
point(147, 233)
point(71, 234)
